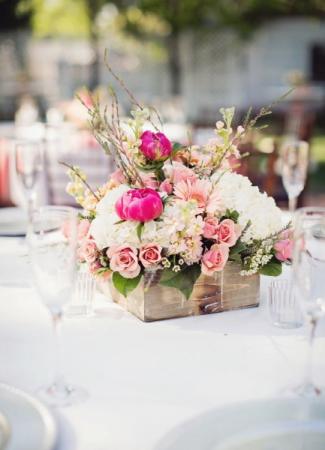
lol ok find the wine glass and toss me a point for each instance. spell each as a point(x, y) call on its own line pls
point(308, 278)
point(294, 155)
point(52, 245)
point(29, 164)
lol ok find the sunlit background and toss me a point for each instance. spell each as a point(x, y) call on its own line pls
point(185, 57)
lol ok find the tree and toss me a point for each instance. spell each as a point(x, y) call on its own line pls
point(244, 16)
point(69, 18)
point(8, 17)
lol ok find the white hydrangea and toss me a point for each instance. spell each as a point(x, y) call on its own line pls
point(238, 193)
point(104, 227)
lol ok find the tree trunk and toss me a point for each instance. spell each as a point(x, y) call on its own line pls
point(174, 62)
point(94, 69)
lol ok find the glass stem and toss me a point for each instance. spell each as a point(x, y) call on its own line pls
point(58, 382)
point(309, 359)
point(30, 208)
point(292, 204)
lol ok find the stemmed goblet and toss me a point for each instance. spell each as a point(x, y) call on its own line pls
point(52, 242)
point(308, 279)
point(294, 156)
point(29, 165)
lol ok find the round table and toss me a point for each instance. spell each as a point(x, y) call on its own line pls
point(143, 378)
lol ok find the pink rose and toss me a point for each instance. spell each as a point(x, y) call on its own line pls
point(284, 246)
point(88, 251)
point(214, 260)
point(210, 228)
point(142, 205)
point(150, 254)
point(155, 146)
point(123, 259)
point(83, 228)
point(94, 266)
point(228, 232)
point(283, 249)
point(166, 186)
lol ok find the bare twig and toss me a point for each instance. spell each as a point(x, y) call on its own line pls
point(80, 178)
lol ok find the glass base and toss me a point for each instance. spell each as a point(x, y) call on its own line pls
point(62, 395)
point(309, 390)
point(306, 390)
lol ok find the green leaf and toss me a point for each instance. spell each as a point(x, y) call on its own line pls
point(272, 268)
point(237, 248)
point(125, 285)
point(119, 221)
point(231, 214)
point(183, 280)
point(139, 230)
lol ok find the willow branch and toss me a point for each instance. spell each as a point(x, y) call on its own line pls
point(80, 178)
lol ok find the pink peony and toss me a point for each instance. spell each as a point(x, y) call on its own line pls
point(123, 259)
point(197, 190)
point(88, 251)
point(155, 146)
point(214, 260)
point(150, 254)
point(228, 232)
point(210, 228)
point(166, 186)
point(142, 205)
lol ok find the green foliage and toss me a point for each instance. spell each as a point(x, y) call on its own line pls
point(125, 285)
point(139, 230)
point(272, 268)
point(231, 214)
point(236, 250)
point(183, 280)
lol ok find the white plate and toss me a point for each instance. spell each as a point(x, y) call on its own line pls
point(31, 425)
point(279, 424)
point(13, 222)
point(4, 431)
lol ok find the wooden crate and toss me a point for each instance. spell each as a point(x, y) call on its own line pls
point(224, 291)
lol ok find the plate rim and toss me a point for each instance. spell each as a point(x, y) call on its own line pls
point(44, 412)
point(176, 431)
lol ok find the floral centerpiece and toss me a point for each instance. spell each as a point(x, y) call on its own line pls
point(179, 210)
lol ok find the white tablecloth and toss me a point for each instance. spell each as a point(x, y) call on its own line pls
point(143, 378)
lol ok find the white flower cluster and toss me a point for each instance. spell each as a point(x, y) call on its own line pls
point(262, 256)
point(253, 206)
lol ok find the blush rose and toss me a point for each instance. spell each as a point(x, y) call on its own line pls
point(150, 254)
point(215, 259)
point(123, 259)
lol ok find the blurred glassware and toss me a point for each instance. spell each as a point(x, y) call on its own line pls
point(308, 278)
point(29, 161)
point(27, 113)
point(284, 308)
point(294, 157)
point(82, 300)
point(52, 246)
